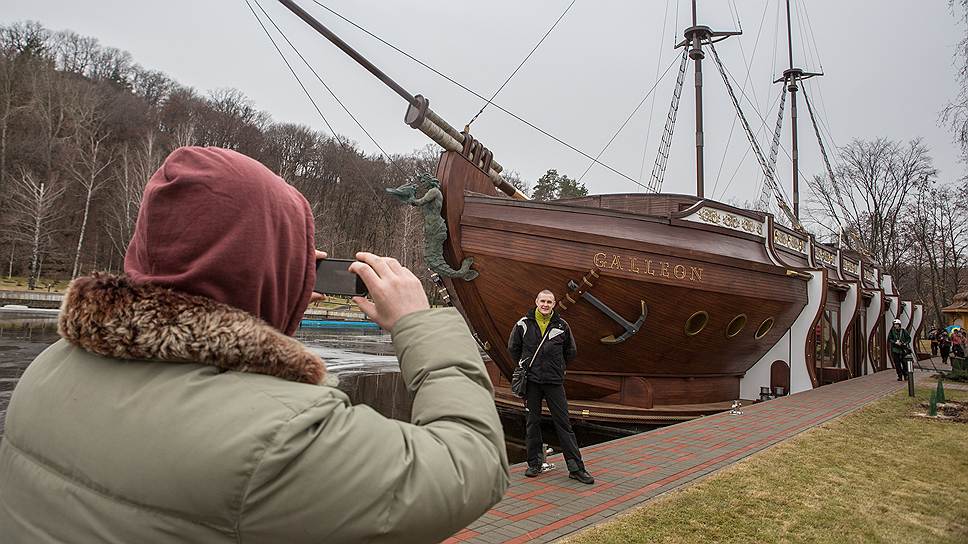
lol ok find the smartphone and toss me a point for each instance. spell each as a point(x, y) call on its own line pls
point(333, 277)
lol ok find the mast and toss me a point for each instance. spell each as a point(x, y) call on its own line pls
point(694, 38)
point(419, 115)
point(790, 78)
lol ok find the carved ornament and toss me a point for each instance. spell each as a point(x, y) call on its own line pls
point(729, 220)
point(825, 256)
point(789, 241)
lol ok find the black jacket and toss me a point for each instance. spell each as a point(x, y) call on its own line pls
point(558, 349)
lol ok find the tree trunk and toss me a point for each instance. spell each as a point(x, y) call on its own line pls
point(80, 239)
point(35, 251)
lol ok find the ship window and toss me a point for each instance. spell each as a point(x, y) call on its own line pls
point(696, 323)
point(736, 325)
point(765, 327)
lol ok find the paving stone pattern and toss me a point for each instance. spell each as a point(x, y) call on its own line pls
point(630, 471)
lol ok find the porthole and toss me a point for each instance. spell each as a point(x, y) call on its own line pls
point(736, 325)
point(696, 323)
point(765, 327)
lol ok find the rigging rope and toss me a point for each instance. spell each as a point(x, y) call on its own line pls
point(662, 157)
point(627, 119)
point(658, 64)
point(478, 95)
point(826, 161)
point(764, 202)
point(767, 172)
point(748, 62)
point(508, 80)
point(320, 79)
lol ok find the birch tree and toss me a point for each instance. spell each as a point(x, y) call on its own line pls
point(91, 161)
point(134, 166)
point(37, 207)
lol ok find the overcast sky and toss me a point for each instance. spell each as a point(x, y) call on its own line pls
point(580, 85)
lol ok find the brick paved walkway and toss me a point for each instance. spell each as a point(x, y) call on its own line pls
point(632, 470)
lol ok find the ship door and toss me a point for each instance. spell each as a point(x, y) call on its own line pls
point(877, 347)
point(780, 378)
point(858, 346)
point(827, 358)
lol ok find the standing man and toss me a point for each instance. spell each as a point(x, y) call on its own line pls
point(944, 345)
point(542, 341)
point(899, 339)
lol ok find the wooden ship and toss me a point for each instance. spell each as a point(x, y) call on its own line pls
point(680, 305)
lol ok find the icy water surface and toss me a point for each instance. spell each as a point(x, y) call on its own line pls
point(350, 353)
point(362, 358)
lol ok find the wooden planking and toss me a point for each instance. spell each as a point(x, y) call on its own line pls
point(507, 288)
point(661, 205)
point(620, 230)
point(537, 252)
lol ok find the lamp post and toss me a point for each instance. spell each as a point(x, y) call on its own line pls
point(910, 374)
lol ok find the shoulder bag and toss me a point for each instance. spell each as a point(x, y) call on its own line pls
point(519, 379)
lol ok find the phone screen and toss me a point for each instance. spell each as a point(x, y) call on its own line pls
point(334, 278)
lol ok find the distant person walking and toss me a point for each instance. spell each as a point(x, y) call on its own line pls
point(944, 345)
point(900, 342)
point(542, 341)
point(958, 343)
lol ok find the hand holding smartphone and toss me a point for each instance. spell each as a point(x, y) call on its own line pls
point(333, 277)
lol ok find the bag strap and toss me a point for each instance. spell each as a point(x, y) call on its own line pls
point(538, 349)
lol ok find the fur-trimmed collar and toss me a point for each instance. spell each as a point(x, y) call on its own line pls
point(111, 316)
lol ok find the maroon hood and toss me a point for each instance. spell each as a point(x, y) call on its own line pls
point(219, 224)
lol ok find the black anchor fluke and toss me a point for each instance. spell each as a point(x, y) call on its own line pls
point(630, 328)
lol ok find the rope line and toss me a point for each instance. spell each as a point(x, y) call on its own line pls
point(826, 161)
point(764, 202)
point(665, 144)
point(658, 64)
point(478, 95)
point(320, 79)
point(489, 100)
point(748, 63)
point(629, 118)
point(780, 200)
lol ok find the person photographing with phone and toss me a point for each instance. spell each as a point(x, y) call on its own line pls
point(177, 406)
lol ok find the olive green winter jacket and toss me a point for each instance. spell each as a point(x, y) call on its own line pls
point(156, 449)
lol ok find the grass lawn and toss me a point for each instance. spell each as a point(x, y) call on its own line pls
point(876, 475)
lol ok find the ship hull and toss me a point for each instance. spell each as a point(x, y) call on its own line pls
point(714, 300)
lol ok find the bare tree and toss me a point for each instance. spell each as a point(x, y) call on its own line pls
point(872, 185)
point(955, 113)
point(28, 38)
point(135, 165)
point(9, 107)
point(936, 227)
point(91, 161)
point(37, 206)
point(75, 53)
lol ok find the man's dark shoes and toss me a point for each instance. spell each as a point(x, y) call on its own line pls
point(532, 472)
point(582, 476)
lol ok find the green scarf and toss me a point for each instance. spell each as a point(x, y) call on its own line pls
point(542, 319)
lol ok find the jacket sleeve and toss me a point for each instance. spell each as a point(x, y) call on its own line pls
point(570, 349)
point(515, 342)
point(341, 473)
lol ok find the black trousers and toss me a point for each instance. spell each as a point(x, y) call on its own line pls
point(554, 395)
point(900, 365)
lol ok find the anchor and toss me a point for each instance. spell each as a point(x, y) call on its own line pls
point(630, 328)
